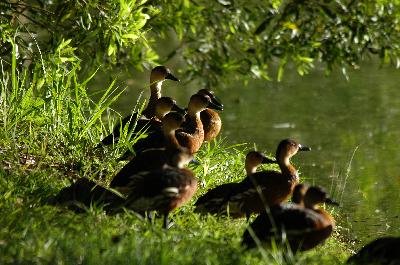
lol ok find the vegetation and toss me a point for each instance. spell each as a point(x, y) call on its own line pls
point(47, 140)
point(49, 52)
point(214, 38)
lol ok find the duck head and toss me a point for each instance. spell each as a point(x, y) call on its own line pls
point(211, 94)
point(160, 73)
point(165, 105)
point(180, 157)
point(198, 103)
point(254, 159)
point(171, 122)
point(316, 195)
point(288, 148)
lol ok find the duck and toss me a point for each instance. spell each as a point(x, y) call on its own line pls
point(301, 227)
point(210, 118)
point(298, 194)
point(191, 133)
point(153, 128)
point(157, 76)
point(382, 251)
point(162, 190)
point(216, 200)
point(163, 106)
point(263, 188)
point(85, 193)
point(155, 158)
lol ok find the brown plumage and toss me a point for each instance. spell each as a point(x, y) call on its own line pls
point(157, 76)
point(381, 251)
point(301, 227)
point(210, 118)
point(153, 127)
point(219, 199)
point(264, 188)
point(162, 190)
point(85, 193)
point(152, 159)
point(191, 135)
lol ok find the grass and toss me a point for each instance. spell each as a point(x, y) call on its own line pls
point(49, 126)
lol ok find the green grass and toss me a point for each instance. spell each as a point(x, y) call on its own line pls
point(50, 117)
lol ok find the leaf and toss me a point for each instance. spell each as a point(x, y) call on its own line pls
point(111, 49)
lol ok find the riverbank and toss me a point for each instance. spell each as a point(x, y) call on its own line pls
point(49, 126)
point(33, 232)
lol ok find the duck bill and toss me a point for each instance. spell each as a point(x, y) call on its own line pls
point(304, 148)
point(194, 161)
point(178, 109)
point(217, 102)
point(211, 105)
point(267, 160)
point(331, 202)
point(171, 77)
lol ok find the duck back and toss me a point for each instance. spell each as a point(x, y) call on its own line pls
point(302, 228)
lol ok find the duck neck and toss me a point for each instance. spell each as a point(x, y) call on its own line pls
point(171, 141)
point(195, 117)
point(155, 94)
point(287, 168)
point(250, 169)
point(193, 112)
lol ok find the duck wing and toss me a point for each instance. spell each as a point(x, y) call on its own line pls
point(158, 189)
point(216, 200)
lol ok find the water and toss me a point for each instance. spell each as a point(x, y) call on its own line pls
point(352, 126)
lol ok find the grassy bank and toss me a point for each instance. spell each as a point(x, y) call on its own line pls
point(49, 126)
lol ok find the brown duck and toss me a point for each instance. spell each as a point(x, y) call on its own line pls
point(210, 118)
point(162, 190)
point(381, 251)
point(157, 76)
point(153, 128)
point(301, 227)
point(217, 200)
point(191, 135)
point(155, 158)
point(84, 194)
point(264, 188)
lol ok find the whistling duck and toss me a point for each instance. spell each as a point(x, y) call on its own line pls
point(153, 128)
point(191, 135)
point(84, 193)
point(265, 188)
point(162, 190)
point(152, 159)
point(157, 76)
point(382, 251)
point(217, 200)
point(304, 227)
point(298, 194)
point(210, 118)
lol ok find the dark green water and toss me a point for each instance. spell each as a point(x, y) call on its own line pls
point(339, 119)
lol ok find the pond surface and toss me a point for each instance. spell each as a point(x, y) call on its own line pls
point(352, 126)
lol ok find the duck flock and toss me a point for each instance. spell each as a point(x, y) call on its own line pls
point(156, 178)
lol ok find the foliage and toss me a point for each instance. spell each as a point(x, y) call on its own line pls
point(223, 38)
point(249, 37)
point(100, 31)
point(49, 115)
